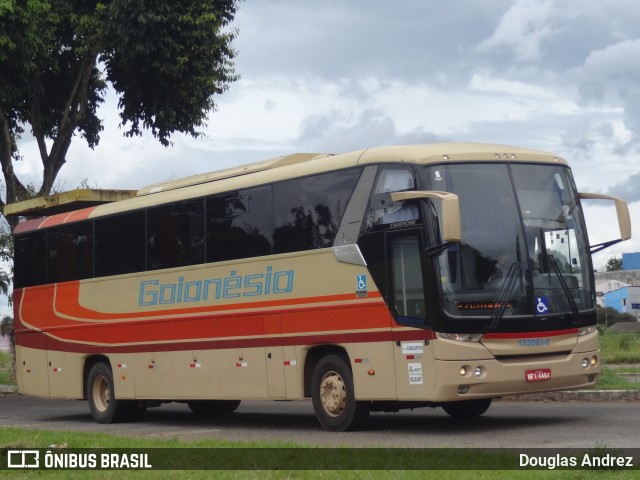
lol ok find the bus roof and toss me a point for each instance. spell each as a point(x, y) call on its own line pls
point(65, 202)
point(293, 166)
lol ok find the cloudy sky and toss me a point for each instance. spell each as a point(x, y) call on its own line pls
point(339, 75)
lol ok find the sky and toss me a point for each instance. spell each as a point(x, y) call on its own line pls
point(334, 76)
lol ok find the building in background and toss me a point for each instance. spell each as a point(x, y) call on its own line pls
point(621, 289)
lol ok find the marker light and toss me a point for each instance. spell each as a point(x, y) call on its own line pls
point(594, 360)
point(463, 371)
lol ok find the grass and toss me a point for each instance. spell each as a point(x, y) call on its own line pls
point(620, 347)
point(5, 369)
point(483, 463)
point(610, 380)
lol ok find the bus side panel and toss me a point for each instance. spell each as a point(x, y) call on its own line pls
point(242, 366)
point(415, 373)
point(65, 374)
point(276, 382)
point(31, 366)
point(195, 374)
point(122, 366)
point(154, 375)
point(372, 365)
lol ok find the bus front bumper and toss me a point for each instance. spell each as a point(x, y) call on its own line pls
point(467, 379)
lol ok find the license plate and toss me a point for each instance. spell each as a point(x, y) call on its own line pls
point(540, 375)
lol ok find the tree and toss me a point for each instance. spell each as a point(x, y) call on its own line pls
point(7, 324)
point(165, 60)
point(7, 329)
point(608, 316)
point(614, 264)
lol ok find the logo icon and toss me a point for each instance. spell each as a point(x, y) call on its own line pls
point(23, 459)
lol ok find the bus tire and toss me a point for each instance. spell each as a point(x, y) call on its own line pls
point(213, 407)
point(104, 406)
point(333, 397)
point(467, 408)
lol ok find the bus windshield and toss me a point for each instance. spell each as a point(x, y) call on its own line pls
point(524, 248)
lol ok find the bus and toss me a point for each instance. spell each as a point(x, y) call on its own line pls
point(394, 277)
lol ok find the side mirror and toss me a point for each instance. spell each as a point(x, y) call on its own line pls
point(450, 210)
point(622, 211)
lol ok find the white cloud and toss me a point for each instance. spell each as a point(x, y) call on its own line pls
point(525, 29)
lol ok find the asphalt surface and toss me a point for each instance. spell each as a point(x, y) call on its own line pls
point(521, 424)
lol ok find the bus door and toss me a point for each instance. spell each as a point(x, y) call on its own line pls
point(407, 301)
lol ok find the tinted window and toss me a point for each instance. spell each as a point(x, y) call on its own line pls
point(175, 234)
point(239, 224)
point(307, 211)
point(30, 259)
point(120, 244)
point(70, 252)
point(383, 211)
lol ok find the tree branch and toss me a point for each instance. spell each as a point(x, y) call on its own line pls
point(36, 120)
point(74, 112)
point(15, 189)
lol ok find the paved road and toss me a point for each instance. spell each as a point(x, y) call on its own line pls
point(506, 424)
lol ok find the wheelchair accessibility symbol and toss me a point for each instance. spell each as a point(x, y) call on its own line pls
point(542, 305)
point(361, 286)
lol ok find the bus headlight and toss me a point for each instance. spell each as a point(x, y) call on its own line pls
point(462, 337)
point(586, 330)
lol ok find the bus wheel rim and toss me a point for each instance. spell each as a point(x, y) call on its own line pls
point(333, 393)
point(101, 393)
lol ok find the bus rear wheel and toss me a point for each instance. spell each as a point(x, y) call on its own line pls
point(467, 408)
point(213, 407)
point(104, 406)
point(333, 398)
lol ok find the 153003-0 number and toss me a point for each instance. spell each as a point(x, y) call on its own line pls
point(533, 342)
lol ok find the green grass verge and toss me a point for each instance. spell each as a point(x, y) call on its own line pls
point(610, 380)
point(620, 347)
point(22, 438)
point(5, 369)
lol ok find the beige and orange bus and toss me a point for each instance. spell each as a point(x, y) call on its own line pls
point(394, 277)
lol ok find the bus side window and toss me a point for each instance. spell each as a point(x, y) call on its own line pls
point(239, 224)
point(175, 234)
point(70, 252)
point(120, 244)
point(31, 259)
point(307, 211)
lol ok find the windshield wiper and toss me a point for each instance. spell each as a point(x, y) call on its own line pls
point(504, 295)
point(565, 288)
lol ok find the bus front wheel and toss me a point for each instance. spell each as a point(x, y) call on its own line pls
point(467, 408)
point(333, 398)
point(104, 406)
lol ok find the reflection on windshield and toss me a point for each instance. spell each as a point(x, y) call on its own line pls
point(523, 215)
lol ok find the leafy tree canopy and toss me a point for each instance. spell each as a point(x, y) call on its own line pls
point(166, 60)
point(614, 264)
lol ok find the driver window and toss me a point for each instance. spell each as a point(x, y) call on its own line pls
point(383, 211)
